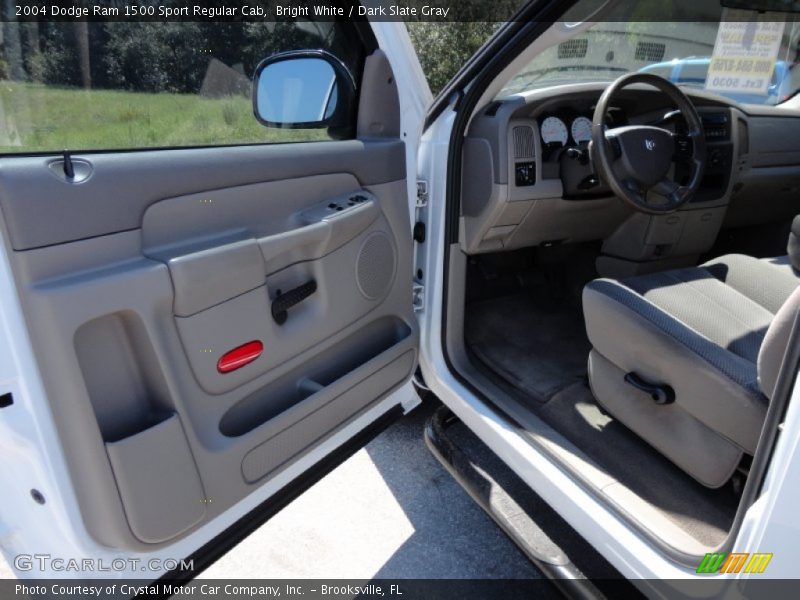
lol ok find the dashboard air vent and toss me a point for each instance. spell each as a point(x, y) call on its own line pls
point(715, 126)
point(650, 51)
point(523, 141)
point(744, 138)
point(573, 48)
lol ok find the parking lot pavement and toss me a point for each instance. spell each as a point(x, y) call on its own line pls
point(390, 511)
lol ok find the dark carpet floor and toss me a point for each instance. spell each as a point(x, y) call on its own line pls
point(541, 352)
point(539, 349)
point(703, 513)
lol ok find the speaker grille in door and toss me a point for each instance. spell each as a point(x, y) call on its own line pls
point(375, 266)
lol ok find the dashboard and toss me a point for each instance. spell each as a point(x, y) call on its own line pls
point(565, 132)
point(528, 178)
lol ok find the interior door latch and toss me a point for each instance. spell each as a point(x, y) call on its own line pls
point(283, 302)
point(422, 193)
point(418, 297)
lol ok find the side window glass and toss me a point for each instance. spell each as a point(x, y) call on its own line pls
point(134, 85)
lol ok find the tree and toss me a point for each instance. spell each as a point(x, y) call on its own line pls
point(81, 32)
point(443, 48)
point(12, 61)
point(155, 57)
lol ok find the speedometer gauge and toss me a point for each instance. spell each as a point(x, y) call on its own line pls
point(554, 131)
point(581, 130)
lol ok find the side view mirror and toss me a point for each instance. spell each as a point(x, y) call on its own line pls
point(303, 89)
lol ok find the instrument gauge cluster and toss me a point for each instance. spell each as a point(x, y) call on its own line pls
point(581, 130)
point(559, 132)
point(554, 131)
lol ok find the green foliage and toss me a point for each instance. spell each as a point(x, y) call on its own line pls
point(153, 57)
point(115, 85)
point(120, 84)
point(231, 112)
point(59, 64)
point(443, 48)
point(46, 118)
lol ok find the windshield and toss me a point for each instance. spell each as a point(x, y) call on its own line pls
point(746, 56)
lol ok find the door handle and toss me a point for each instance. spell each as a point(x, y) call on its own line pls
point(283, 302)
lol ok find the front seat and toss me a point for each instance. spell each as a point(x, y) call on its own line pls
point(688, 359)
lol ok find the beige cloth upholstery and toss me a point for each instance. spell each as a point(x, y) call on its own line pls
point(699, 331)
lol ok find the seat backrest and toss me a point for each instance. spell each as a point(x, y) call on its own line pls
point(793, 246)
point(773, 348)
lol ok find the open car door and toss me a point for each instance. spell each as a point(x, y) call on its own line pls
point(189, 326)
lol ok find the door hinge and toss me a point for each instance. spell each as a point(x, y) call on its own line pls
point(418, 297)
point(422, 193)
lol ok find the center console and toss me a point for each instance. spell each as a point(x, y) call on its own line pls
point(719, 156)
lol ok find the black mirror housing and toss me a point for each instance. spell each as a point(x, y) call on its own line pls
point(304, 89)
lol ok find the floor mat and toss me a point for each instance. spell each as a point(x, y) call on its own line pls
point(539, 349)
point(703, 513)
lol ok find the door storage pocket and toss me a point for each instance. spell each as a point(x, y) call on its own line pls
point(158, 481)
point(293, 441)
point(123, 378)
point(315, 378)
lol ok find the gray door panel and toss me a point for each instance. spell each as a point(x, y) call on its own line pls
point(42, 210)
point(137, 281)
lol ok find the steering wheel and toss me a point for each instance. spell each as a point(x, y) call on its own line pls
point(636, 159)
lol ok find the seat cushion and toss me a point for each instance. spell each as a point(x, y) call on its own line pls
point(698, 330)
point(768, 281)
point(731, 301)
point(698, 300)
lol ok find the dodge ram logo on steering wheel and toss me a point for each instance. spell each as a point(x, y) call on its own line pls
point(650, 145)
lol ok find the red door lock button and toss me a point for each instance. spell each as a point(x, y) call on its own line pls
point(239, 357)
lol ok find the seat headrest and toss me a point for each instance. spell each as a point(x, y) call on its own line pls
point(773, 348)
point(793, 247)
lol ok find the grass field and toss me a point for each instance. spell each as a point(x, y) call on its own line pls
point(37, 118)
